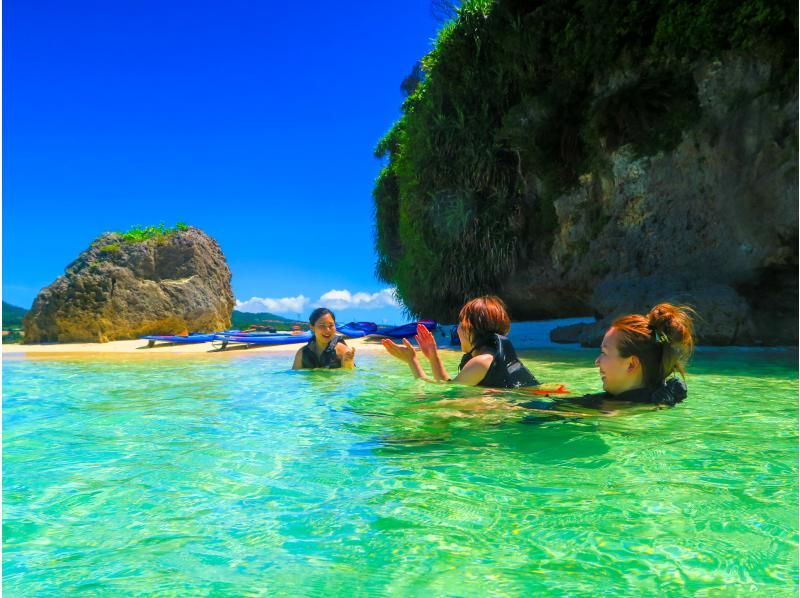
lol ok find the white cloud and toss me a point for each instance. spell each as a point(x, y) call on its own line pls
point(333, 299)
point(284, 305)
point(344, 299)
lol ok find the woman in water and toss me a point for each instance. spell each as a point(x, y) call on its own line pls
point(326, 349)
point(489, 357)
point(640, 357)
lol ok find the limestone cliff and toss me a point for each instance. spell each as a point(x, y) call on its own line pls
point(712, 223)
point(597, 158)
point(121, 290)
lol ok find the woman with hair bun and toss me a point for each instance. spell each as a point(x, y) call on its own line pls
point(641, 355)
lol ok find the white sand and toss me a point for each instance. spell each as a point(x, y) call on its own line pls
point(139, 347)
point(524, 335)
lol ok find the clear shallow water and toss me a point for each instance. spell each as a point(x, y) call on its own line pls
point(231, 475)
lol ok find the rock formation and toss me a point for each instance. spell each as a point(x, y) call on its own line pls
point(596, 158)
point(118, 289)
point(712, 223)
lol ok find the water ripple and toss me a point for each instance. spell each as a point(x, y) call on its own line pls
point(241, 477)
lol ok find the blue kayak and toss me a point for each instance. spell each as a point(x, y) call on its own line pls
point(406, 330)
point(272, 339)
point(356, 329)
point(454, 340)
point(192, 338)
point(255, 333)
point(351, 330)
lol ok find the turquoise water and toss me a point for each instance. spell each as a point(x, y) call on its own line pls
point(232, 475)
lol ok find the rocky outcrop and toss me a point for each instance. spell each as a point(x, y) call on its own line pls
point(591, 158)
point(712, 223)
point(121, 290)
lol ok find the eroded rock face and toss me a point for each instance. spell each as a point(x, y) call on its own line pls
point(712, 224)
point(117, 290)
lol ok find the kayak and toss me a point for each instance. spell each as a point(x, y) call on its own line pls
point(192, 338)
point(351, 330)
point(357, 329)
point(254, 339)
point(406, 330)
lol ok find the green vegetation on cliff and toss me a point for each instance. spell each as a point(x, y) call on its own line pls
point(140, 233)
point(517, 101)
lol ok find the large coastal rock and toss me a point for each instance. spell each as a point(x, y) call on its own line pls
point(712, 223)
point(121, 290)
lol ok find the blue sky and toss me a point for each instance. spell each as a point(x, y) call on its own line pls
point(254, 121)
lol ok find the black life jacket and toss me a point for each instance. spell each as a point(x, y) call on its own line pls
point(669, 392)
point(506, 370)
point(327, 359)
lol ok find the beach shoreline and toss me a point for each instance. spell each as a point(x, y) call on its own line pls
point(139, 347)
point(525, 335)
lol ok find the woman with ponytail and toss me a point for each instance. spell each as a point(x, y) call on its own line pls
point(641, 355)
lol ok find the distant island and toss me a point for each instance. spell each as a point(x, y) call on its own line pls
point(241, 320)
point(12, 322)
point(12, 316)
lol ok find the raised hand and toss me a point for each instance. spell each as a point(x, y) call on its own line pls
point(348, 357)
point(426, 341)
point(404, 352)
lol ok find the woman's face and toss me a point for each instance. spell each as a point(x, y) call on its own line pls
point(464, 337)
point(617, 373)
point(324, 328)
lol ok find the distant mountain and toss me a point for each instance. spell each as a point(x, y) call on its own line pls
point(241, 319)
point(12, 315)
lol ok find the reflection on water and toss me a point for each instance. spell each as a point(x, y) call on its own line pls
point(217, 476)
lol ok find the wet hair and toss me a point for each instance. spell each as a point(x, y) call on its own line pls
point(318, 313)
point(663, 340)
point(484, 316)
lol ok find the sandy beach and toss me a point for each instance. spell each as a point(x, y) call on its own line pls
point(525, 335)
point(139, 347)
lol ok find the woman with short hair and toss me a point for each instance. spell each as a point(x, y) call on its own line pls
point(489, 357)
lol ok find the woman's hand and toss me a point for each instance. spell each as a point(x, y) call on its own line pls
point(404, 352)
point(426, 342)
point(347, 358)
